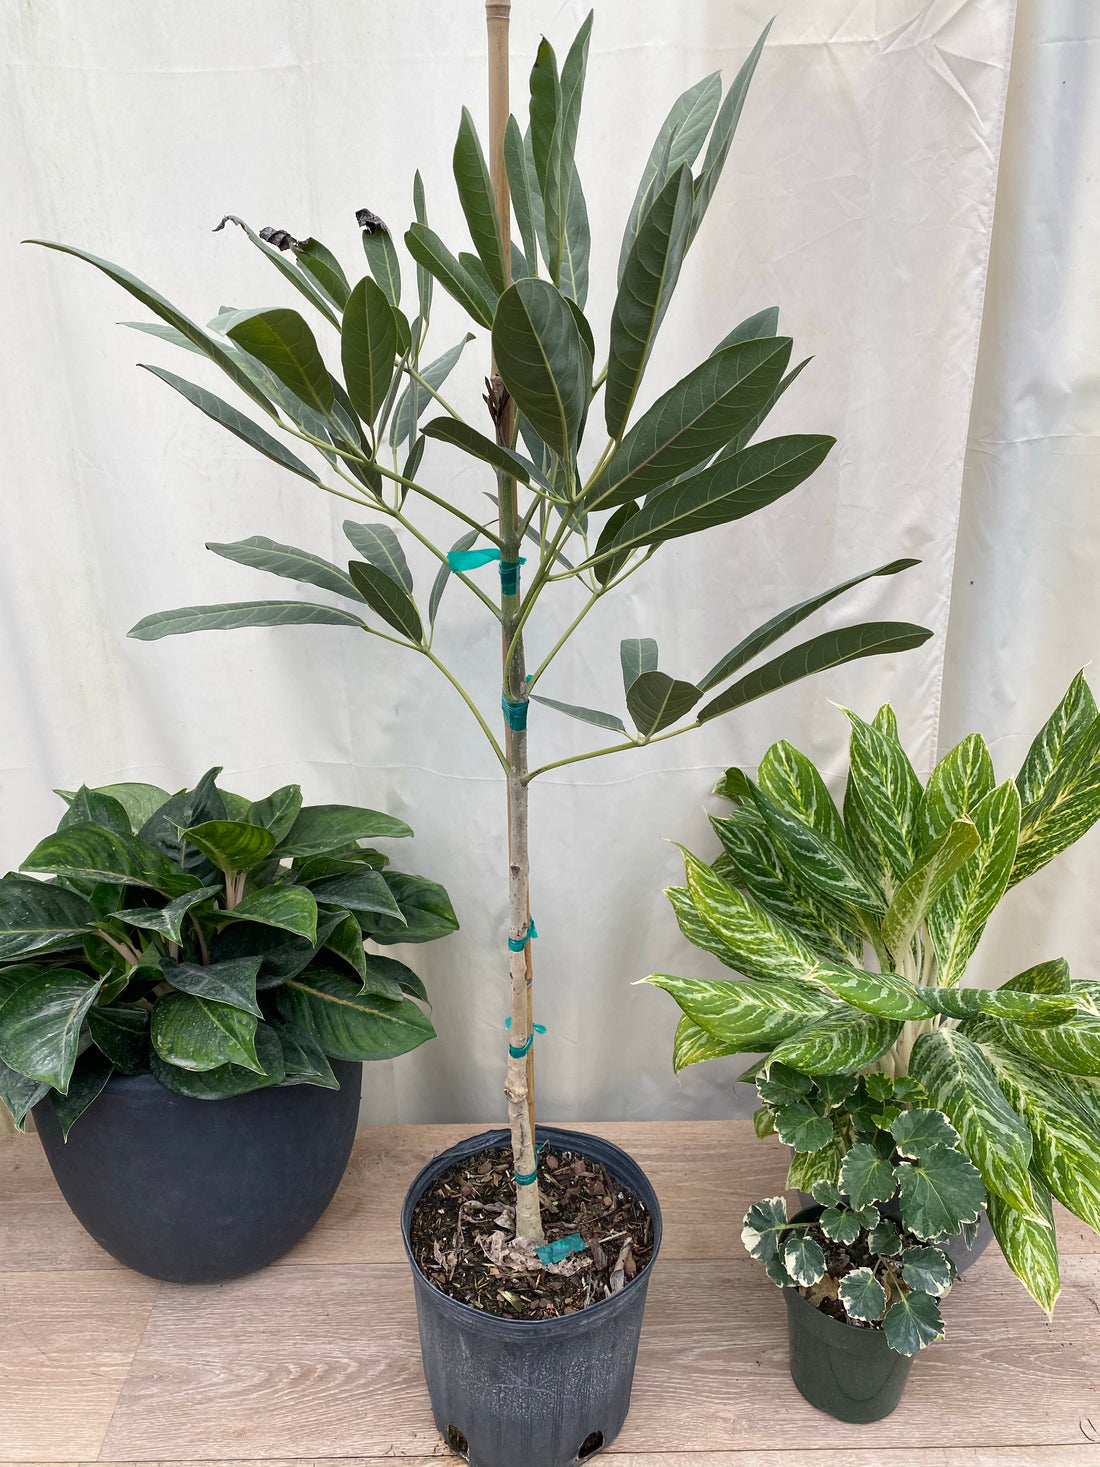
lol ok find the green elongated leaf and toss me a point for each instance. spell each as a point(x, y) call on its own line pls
point(692, 1044)
point(691, 421)
point(324, 270)
point(959, 782)
point(831, 649)
point(195, 335)
point(636, 655)
point(289, 908)
point(424, 278)
point(750, 1016)
point(649, 278)
point(760, 323)
point(379, 546)
point(287, 560)
point(302, 280)
point(35, 915)
point(585, 715)
point(381, 971)
point(320, 829)
point(960, 1081)
point(762, 946)
point(365, 891)
point(196, 1033)
point(443, 575)
point(803, 1260)
point(424, 905)
point(168, 920)
point(281, 340)
point(188, 807)
point(745, 435)
point(840, 1043)
point(90, 1075)
point(235, 421)
point(916, 1130)
point(1030, 1248)
point(414, 400)
point(1065, 727)
point(939, 1191)
point(757, 865)
point(804, 1129)
point(1068, 806)
point(656, 701)
point(764, 1224)
point(1049, 977)
point(304, 1061)
point(382, 260)
point(230, 616)
point(139, 801)
point(164, 333)
point(429, 251)
point(232, 983)
point(278, 811)
point(725, 125)
point(388, 598)
point(751, 480)
point(696, 930)
point(929, 877)
point(346, 941)
point(1002, 1003)
point(523, 185)
point(889, 791)
point(679, 141)
point(819, 860)
point(884, 994)
point(866, 1177)
point(122, 1034)
point(807, 1168)
point(350, 1025)
point(90, 807)
point(19, 1094)
point(779, 625)
point(957, 918)
point(40, 1025)
point(791, 780)
point(105, 855)
point(912, 1322)
point(605, 566)
point(475, 194)
point(232, 845)
point(1072, 1048)
point(368, 346)
point(450, 430)
point(861, 1294)
point(538, 352)
point(225, 1080)
point(555, 116)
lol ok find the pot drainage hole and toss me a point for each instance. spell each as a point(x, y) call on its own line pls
point(590, 1446)
point(457, 1442)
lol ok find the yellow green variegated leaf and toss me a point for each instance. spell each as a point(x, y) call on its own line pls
point(820, 861)
point(889, 792)
point(1068, 723)
point(1030, 1248)
point(762, 946)
point(1067, 807)
point(840, 1043)
point(1065, 1135)
point(865, 840)
point(958, 916)
point(808, 1167)
point(691, 1045)
point(961, 780)
point(933, 869)
point(960, 1081)
point(1072, 1048)
point(696, 930)
point(1001, 1003)
point(1051, 976)
point(794, 783)
point(885, 994)
point(749, 1017)
point(757, 865)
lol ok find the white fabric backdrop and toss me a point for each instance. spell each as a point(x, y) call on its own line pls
point(859, 197)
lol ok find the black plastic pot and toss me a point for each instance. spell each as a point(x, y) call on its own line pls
point(531, 1393)
point(197, 1191)
point(850, 1372)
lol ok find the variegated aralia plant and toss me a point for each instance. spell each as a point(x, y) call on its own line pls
point(800, 897)
point(214, 940)
point(904, 1188)
point(588, 519)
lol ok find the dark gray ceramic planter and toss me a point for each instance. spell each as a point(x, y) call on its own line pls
point(197, 1191)
point(531, 1393)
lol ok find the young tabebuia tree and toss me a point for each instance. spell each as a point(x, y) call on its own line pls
point(800, 898)
point(588, 518)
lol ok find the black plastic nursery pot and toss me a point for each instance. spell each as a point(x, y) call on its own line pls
point(850, 1372)
point(198, 1191)
point(541, 1393)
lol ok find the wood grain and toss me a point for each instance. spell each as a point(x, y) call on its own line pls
point(66, 1343)
point(37, 1230)
point(1082, 1456)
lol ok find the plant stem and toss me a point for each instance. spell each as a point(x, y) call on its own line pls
point(427, 386)
point(464, 695)
point(673, 733)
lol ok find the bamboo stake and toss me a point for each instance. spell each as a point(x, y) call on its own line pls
point(519, 1086)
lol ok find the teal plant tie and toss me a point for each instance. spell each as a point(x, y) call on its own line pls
point(526, 1179)
point(517, 944)
point(462, 560)
point(509, 575)
point(561, 1248)
point(517, 1051)
point(515, 714)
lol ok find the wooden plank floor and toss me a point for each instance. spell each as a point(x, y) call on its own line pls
point(315, 1359)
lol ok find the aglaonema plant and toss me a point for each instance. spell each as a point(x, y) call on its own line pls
point(800, 899)
point(587, 518)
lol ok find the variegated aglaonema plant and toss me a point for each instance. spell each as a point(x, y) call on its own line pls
point(869, 1252)
point(801, 898)
point(215, 941)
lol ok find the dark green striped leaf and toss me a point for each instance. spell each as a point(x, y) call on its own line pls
point(288, 908)
point(889, 791)
point(232, 845)
point(348, 1024)
point(841, 1043)
point(201, 1034)
point(692, 1044)
point(929, 877)
point(36, 915)
point(747, 1016)
point(957, 918)
point(40, 1024)
point(122, 1034)
point(232, 982)
point(225, 1080)
point(168, 920)
point(1068, 806)
point(819, 859)
point(959, 782)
